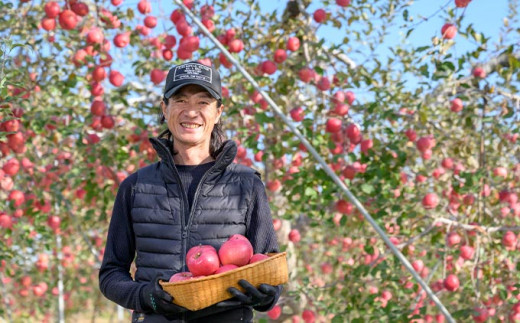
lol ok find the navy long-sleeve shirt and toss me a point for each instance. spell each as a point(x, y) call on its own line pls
point(115, 280)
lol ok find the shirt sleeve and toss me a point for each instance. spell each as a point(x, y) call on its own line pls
point(115, 281)
point(260, 230)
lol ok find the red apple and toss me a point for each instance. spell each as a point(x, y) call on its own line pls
point(479, 72)
point(236, 251)
point(107, 121)
point(122, 40)
point(274, 185)
point(456, 105)
point(185, 275)
point(6, 221)
point(411, 134)
point(79, 8)
point(144, 7)
point(466, 252)
point(468, 199)
point(449, 31)
point(353, 133)
point(343, 3)
point(54, 221)
point(462, 3)
point(418, 265)
point(98, 108)
point(202, 260)
point(116, 78)
point(268, 67)
point(308, 316)
point(52, 9)
point(280, 56)
point(333, 125)
point(297, 114)
point(170, 41)
point(68, 19)
point(275, 312)
point(150, 22)
point(48, 23)
point(500, 171)
point(319, 15)
point(350, 96)
point(509, 239)
point(323, 84)
point(451, 282)
point(236, 45)
point(293, 44)
point(425, 143)
point(11, 167)
point(430, 201)
point(341, 109)
point(258, 257)
point(294, 235)
point(237, 236)
point(183, 28)
point(481, 315)
point(99, 74)
point(453, 239)
point(366, 145)
point(344, 207)
point(95, 36)
point(17, 197)
point(225, 268)
point(277, 224)
point(157, 76)
point(306, 74)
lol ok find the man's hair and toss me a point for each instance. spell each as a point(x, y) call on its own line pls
point(217, 135)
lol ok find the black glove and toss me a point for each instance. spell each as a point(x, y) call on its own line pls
point(155, 299)
point(264, 295)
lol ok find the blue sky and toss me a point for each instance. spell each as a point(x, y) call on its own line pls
point(486, 16)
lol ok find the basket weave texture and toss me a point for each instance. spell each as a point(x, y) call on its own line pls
point(199, 293)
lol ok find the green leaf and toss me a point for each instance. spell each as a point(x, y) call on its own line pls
point(311, 192)
point(367, 188)
point(338, 319)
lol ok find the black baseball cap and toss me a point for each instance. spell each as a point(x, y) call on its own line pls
point(193, 73)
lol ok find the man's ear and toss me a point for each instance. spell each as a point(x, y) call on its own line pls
point(164, 108)
point(219, 113)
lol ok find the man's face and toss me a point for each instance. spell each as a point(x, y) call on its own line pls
point(191, 115)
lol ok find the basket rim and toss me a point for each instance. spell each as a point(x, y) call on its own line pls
point(226, 273)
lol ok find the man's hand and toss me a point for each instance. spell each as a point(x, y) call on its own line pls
point(157, 300)
point(261, 296)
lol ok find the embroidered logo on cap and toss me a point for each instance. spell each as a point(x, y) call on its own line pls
point(193, 72)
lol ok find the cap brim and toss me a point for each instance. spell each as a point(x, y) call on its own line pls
point(174, 90)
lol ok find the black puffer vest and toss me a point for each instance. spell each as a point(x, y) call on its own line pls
point(160, 204)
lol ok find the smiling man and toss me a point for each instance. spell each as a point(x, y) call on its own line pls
point(193, 195)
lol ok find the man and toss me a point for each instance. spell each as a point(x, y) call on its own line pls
point(194, 195)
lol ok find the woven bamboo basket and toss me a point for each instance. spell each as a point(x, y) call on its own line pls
point(199, 293)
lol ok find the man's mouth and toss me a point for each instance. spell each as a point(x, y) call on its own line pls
point(190, 125)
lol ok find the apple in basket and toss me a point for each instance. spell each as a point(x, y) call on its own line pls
point(202, 260)
point(178, 277)
point(258, 257)
point(225, 268)
point(237, 250)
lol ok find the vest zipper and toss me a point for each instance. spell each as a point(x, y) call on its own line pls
point(197, 191)
point(184, 229)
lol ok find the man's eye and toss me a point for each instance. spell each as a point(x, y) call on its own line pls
point(204, 102)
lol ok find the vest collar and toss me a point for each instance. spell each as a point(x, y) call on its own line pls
point(225, 155)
